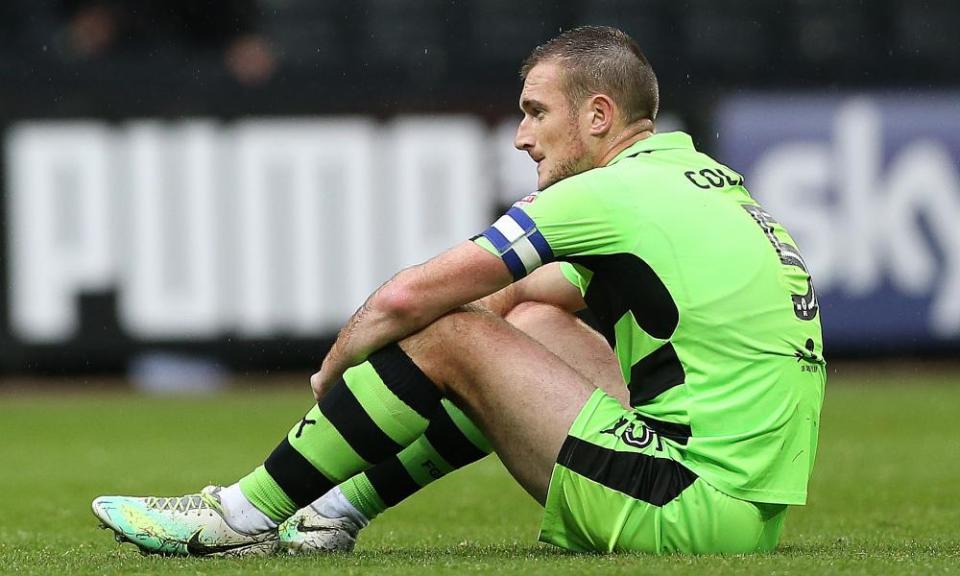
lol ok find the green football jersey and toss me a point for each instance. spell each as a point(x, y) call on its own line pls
point(705, 299)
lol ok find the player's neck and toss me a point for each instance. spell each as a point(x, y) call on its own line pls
point(625, 139)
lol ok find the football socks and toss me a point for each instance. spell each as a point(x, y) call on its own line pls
point(376, 409)
point(241, 515)
point(451, 441)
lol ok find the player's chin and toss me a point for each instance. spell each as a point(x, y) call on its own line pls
point(550, 180)
point(545, 178)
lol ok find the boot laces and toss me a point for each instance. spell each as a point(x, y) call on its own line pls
point(205, 500)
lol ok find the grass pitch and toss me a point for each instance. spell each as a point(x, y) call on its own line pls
point(882, 501)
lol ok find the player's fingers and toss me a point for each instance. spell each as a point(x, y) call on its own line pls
point(316, 386)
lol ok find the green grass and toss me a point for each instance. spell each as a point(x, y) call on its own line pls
point(882, 499)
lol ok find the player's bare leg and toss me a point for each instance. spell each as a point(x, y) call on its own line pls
point(523, 396)
point(333, 522)
point(573, 342)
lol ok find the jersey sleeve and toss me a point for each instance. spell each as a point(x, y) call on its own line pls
point(576, 275)
point(564, 220)
point(515, 239)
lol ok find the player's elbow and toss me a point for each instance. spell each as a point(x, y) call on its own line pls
point(400, 301)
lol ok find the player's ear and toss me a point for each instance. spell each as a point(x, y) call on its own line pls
point(602, 110)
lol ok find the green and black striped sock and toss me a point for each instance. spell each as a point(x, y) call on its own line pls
point(451, 441)
point(378, 408)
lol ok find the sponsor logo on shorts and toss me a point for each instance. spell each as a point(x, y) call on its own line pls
point(635, 434)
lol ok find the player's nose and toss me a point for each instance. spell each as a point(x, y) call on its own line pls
point(523, 140)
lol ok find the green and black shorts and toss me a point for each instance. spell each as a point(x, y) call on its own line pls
point(618, 487)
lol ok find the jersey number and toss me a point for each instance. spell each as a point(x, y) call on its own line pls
point(805, 306)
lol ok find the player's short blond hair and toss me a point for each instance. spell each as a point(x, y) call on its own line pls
point(602, 60)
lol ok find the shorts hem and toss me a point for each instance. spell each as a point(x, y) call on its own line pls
point(552, 513)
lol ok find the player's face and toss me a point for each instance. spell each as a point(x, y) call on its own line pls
point(550, 132)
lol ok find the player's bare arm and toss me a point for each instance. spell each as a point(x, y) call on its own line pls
point(546, 285)
point(409, 301)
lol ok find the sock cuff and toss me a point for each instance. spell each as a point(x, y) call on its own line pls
point(241, 515)
point(266, 495)
point(405, 379)
point(449, 433)
point(466, 426)
point(362, 495)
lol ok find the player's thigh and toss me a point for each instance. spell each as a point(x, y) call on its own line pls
point(522, 396)
point(570, 339)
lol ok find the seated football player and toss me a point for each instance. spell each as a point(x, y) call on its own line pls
point(702, 295)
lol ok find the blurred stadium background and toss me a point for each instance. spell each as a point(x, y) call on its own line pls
point(190, 189)
point(194, 195)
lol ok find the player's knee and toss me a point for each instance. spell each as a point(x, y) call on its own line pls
point(460, 321)
point(438, 347)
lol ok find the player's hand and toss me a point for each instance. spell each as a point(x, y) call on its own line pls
point(322, 381)
point(317, 386)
